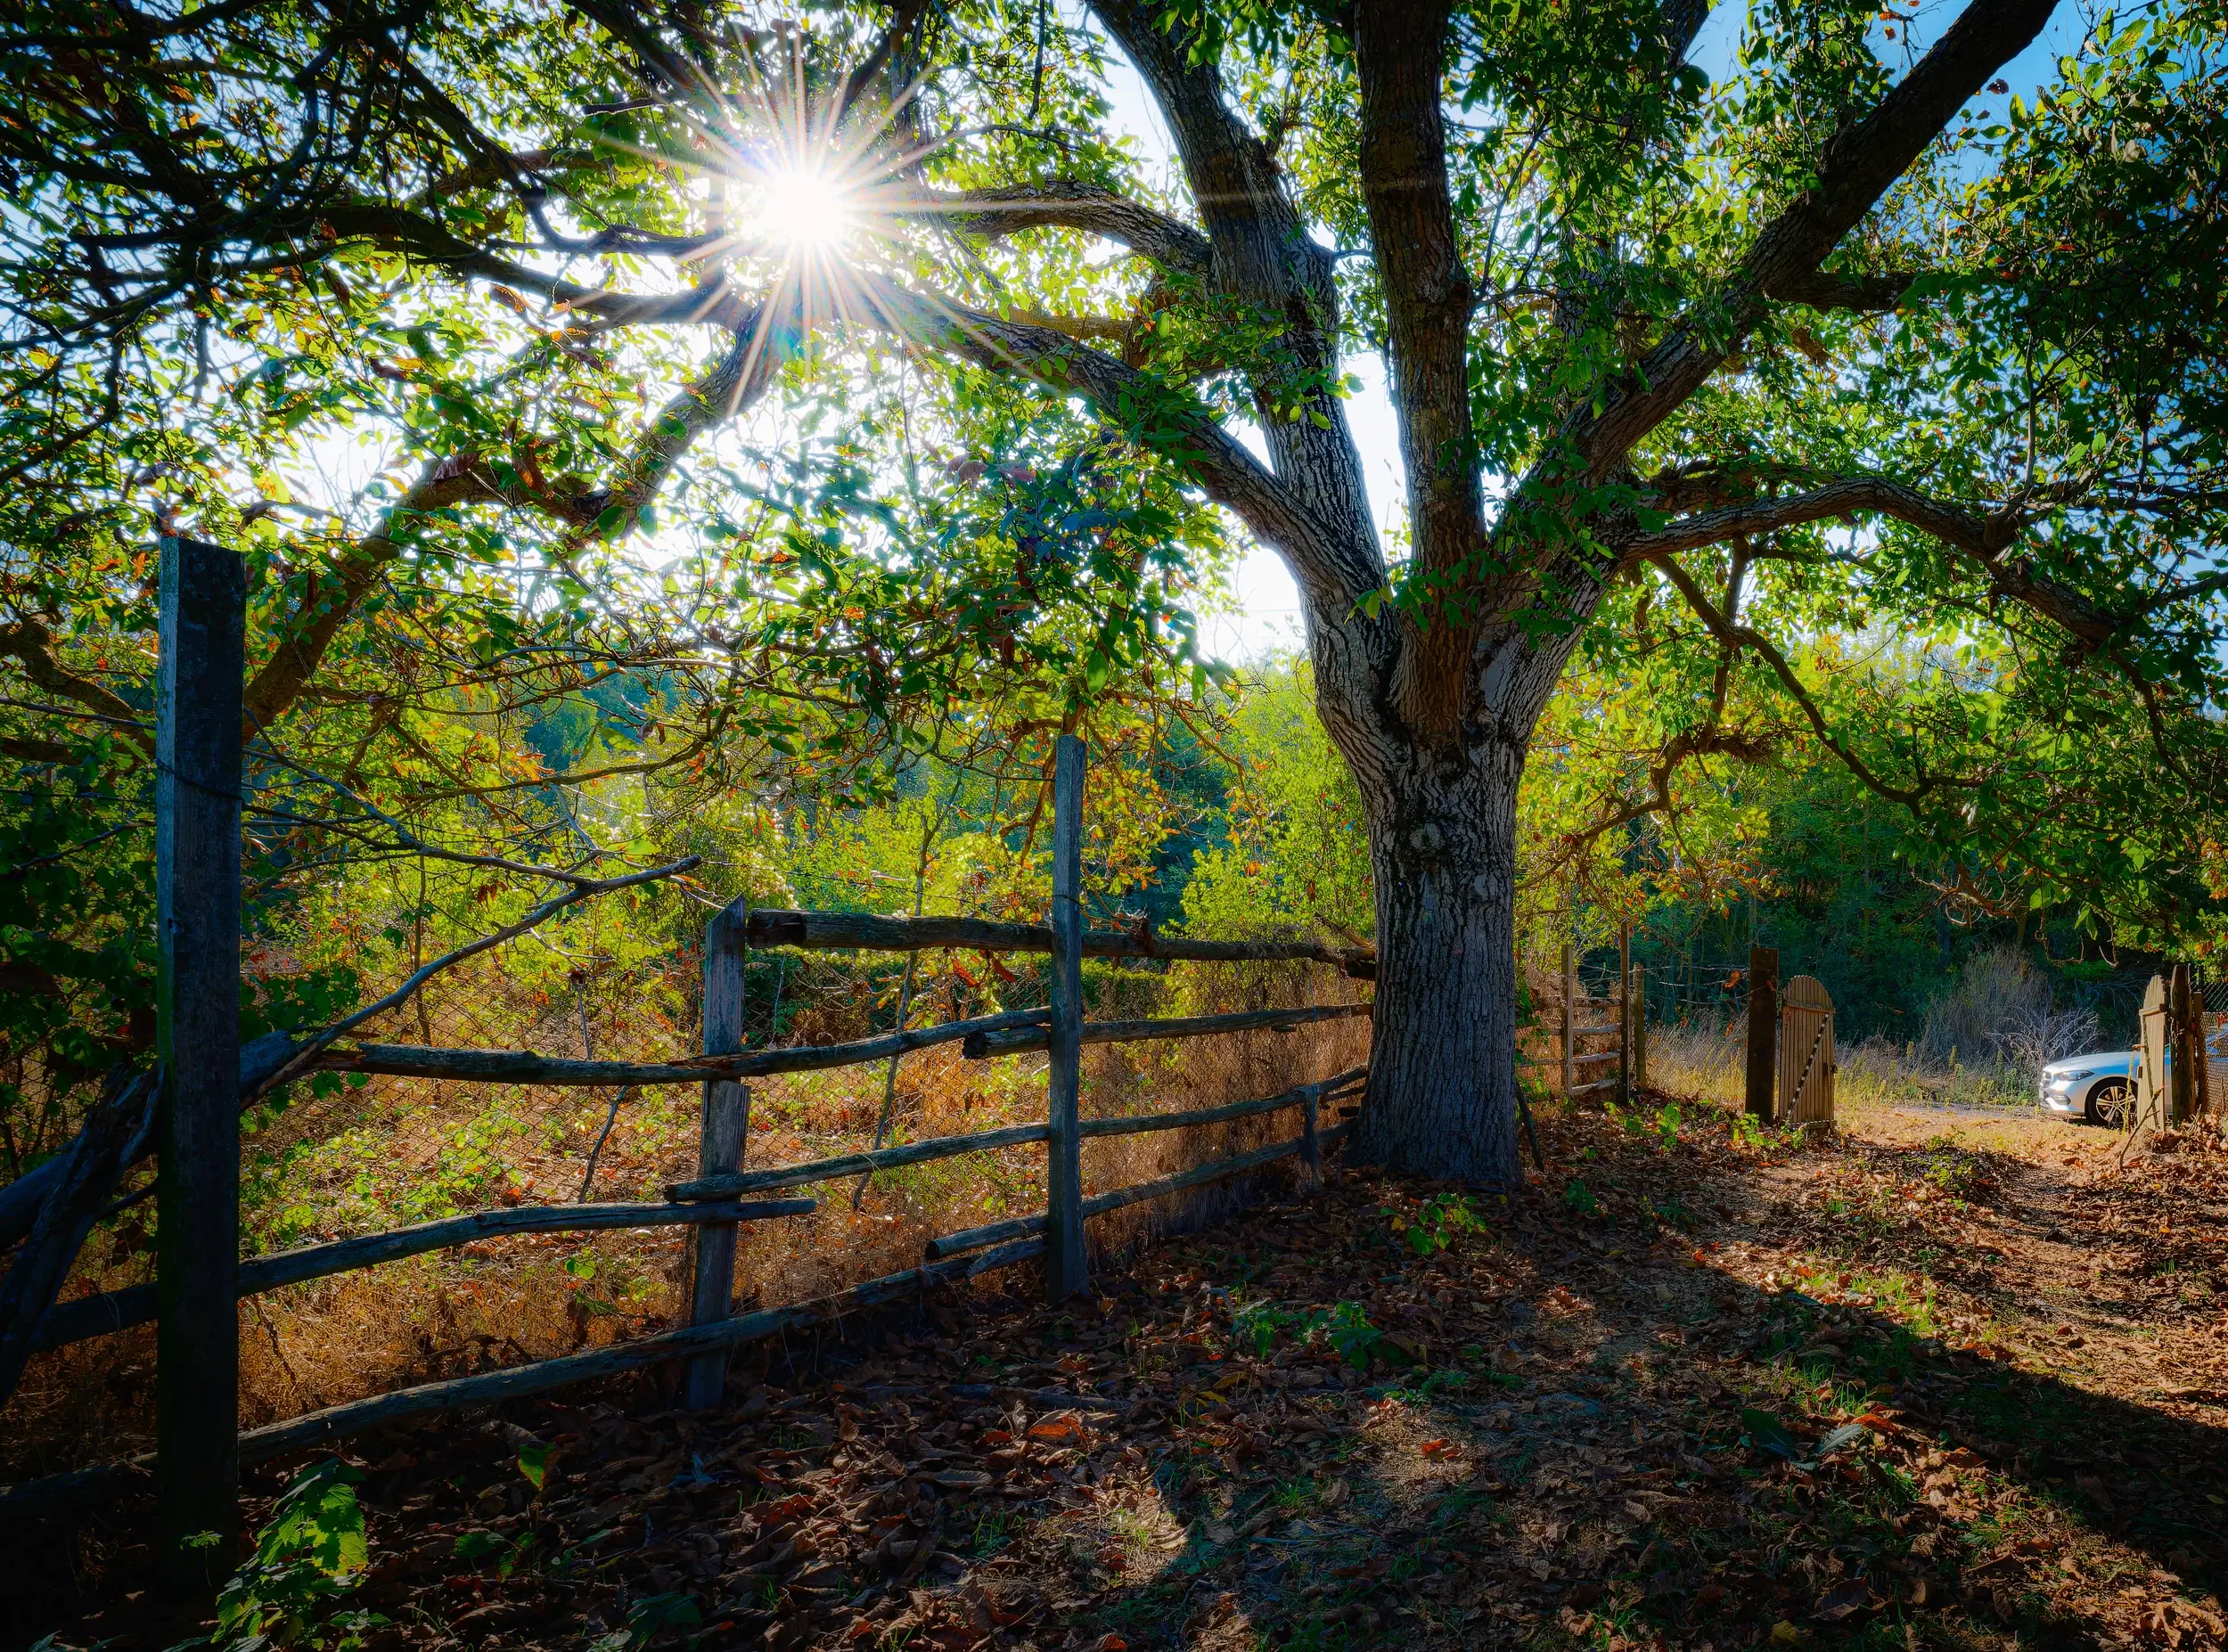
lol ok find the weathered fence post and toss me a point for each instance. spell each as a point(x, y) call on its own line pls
point(1763, 1029)
point(2204, 1070)
point(1640, 1029)
point(725, 1132)
point(1570, 1018)
point(204, 590)
point(1624, 1014)
point(1066, 1271)
point(2188, 1048)
point(1311, 1140)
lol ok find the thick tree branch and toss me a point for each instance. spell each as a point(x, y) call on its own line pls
point(330, 594)
point(1263, 256)
point(906, 19)
point(1982, 539)
point(1858, 166)
point(735, 381)
point(33, 647)
point(1068, 205)
point(1398, 49)
point(1167, 417)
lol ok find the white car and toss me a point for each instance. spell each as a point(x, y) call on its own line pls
point(2099, 1087)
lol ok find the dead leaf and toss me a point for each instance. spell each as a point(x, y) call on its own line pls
point(1844, 1601)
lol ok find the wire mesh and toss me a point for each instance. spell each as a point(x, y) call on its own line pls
point(362, 1158)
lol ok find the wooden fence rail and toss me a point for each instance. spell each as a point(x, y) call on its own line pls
point(710, 1201)
point(119, 1310)
point(1308, 1146)
point(1137, 1123)
point(853, 1164)
point(949, 1257)
point(526, 1066)
point(1020, 1041)
point(44, 1497)
point(1014, 1032)
point(870, 932)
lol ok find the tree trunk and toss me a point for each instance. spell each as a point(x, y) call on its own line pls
point(1442, 1082)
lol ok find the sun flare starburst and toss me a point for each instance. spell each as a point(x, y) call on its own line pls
point(805, 210)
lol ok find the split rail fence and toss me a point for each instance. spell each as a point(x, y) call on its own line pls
point(1627, 1007)
point(197, 1406)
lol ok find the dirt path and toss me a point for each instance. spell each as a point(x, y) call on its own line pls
point(1945, 1381)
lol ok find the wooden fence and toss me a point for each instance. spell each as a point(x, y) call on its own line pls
point(1627, 1007)
point(200, 1278)
point(2181, 1070)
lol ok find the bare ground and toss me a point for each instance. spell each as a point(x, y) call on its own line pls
point(1948, 1379)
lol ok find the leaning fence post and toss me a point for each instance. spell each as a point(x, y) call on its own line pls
point(726, 1130)
point(1066, 1271)
point(1763, 1029)
point(204, 592)
point(2202, 1071)
point(1311, 1140)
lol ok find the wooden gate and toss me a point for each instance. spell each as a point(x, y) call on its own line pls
point(2153, 1033)
point(1806, 1065)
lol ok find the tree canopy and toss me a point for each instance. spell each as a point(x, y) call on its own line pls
point(773, 388)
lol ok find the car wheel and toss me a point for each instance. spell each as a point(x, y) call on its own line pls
point(2108, 1104)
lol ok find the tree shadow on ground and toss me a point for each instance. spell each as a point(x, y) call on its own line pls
point(1668, 1396)
point(1634, 1441)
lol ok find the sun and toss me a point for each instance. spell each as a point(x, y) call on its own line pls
point(803, 209)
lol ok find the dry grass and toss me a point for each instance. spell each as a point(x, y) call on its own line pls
point(401, 1150)
point(1710, 1059)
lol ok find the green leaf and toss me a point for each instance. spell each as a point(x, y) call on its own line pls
point(1839, 1440)
point(1767, 1433)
